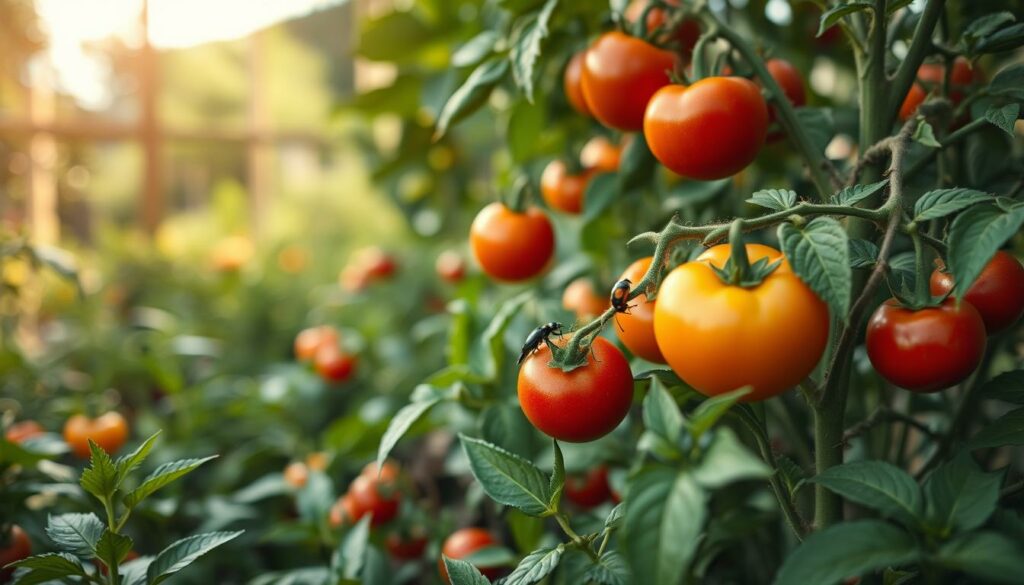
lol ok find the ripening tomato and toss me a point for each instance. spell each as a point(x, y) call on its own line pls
point(600, 155)
point(580, 298)
point(388, 473)
point(709, 130)
point(998, 294)
point(464, 542)
point(685, 37)
point(296, 474)
point(109, 431)
point(511, 246)
point(928, 349)
point(407, 547)
point(933, 74)
point(333, 364)
point(620, 74)
point(561, 189)
point(590, 489)
point(344, 510)
point(789, 80)
point(572, 83)
point(581, 405)
point(15, 547)
point(450, 266)
point(636, 327)
point(719, 337)
point(375, 496)
point(21, 431)
point(377, 263)
point(308, 341)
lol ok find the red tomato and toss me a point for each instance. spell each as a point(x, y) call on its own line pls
point(636, 328)
point(408, 548)
point(960, 79)
point(580, 298)
point(998, 294)
point(18, 547)
point(709, 130)
point(589, 490)
point(511, 246)
point(109, 431)
point(450, 266)
point(685, 36)
point(581, 405)
point(791, 82)
point(387, 474)
point(344, 510)
point(562, 190)
point(572, 80)
point(601, 155)
point(376, 497)
point(308, 341)
point(333, 364)
point(463, 543)
point(26, 429)
point(925, 350)
point(620, 74)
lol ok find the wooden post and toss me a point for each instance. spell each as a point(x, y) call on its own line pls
point(258, 149)
point(152, 194)
point(44, 221)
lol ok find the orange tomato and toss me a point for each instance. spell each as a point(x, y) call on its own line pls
point(620, 74)
point(308, 341)
point(511, 246)
point(561, 190)
point(600, 155)
point(296, 474)
point(580, 298)
point(571, 81)
point(109, 431)
point(719, 337)
point(636, 328)
point(333, 364)
point(464, 542)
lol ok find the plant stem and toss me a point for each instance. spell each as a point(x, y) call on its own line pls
point(738, 252)
point(576, 538)
point(920, 47)
point(953, 138)
point(789, 512)
point(921, 293)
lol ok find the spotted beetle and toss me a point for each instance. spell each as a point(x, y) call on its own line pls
point(620, 296)
point(537, 337)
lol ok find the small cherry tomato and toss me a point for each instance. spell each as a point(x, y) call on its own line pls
point(17, 547)
point(789, 79)
point(450, 266)
point(571, 82)
point(580, 298)
point(636, 326)
point(376, 497)
point(354, 278)
point(377, 263)
point(308, 341)
point(719, 337)
point(998, 294)
point(388, 472)
point(26, 429)
point(333, 364)
point(709, 130)
point(296, 474)
point(464, 542)
point(581, 405)
point(685, 37)
point(928, 349)
point(406, 547)
point(561, 190)
point(600, 155)
point(961, 78)
point(109, 431)
point(344, 510)
point(317, 461)
point(590, 489)
point(512, 246)
point(620, 74)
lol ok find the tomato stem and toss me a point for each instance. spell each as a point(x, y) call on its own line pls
point(738, 253)
point(922, 296)
point(519, 194)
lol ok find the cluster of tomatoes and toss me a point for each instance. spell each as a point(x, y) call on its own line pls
point(323, 347)
point(365, 267)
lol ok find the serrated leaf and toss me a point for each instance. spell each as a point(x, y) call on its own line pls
point(774, 199)
point(161, 476)
point(988, 24)
point(492, 337)
point(471, 94)
point(183, 553)
point(134, 571)
point(75, 533)
point(1008, 387)
point(855, 194)
point(557, 476)
point(1004, 39)
point(844, 550)
point(727, 461)
point(925, 135)
point(830, 17)
point(712, 409)
point(507, 478)
point(50, 566)
point(614, 517)
point(878, 485)
point(463, 573)
point(1004, 117)
point(535, 566)
point(661, 414)
point(1005, 430)
point(113, 546)
point(987, 555)
point(942, 202)
point(863, 253)
point(610, 569)
point(129, 462)
point(974, 238)
point(526, 48)
point(820, 255)
point(475, 49)
point(400, 424)
point(960, 496)
point(100, 479)
point(1009, 82)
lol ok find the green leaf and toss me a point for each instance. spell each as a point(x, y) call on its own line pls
point(348, 562)
point(463, 573)
point(925, 135)
point(942, 202)
point(665, 512)
point(1009, 82)
point(526, 530)
point(708, 412)
point(1005, 430)
point(895, 5)
point(601, 192)
point(184, 552)
point(48, 566)
point(112, 548)
point(526, 48)
point(134, 571)
point(400, 424)
point(1006, 39)
point(492, 338)
point(661, 414)
point(504, 424)
point(557, 483)
point(161, 476)
point(846, 550)
point(610, 569)
point(1008, 387)
point(100, 479)
point(855, 194)
point(774, 199)
point(974, 238)
point(1005, 117)
point(314, 500)
point(835, 14)
point(638, 165)
point(987, 555)
point(878, 485)
point(475, 49)
point(820, 256)
point(614, 517)
point(535, 566)
point(819, 125)
point(507, 478)
point(728, 461)
point(863, 253)
point(75, 533)
point(526, 122)
point(395, 36)
point(960, 496)
point(129, 462)
point(471, 94)
point(988, 24)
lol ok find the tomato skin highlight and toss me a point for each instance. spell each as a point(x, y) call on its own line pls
point(510, 246)
point(620, 74)
point(590, 489)
point(709, 130)
point(572, 84)
point(19, 546)
point(109, 431)
point(925, 350)
point(581, 405)
point(998, 294)
point(719, 337)
point(463, 543)
point(636, 328)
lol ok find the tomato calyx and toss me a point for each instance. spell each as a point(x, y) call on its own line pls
point(517, 197)
point(738, 271)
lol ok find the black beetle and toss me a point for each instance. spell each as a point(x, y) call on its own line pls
point(537, 337)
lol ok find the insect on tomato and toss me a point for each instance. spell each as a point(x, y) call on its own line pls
point(720, 337)
point(571, 82)
point(928, 349)
point(709, 130)
point(998, 294)
point(636, 326)
point(109, 431)
point(463, 543)
point(620, 74)
point(583, 404)
point(511, 246)
point(590, 489)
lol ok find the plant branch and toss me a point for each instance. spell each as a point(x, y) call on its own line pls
point(789, 512)
point(883, 413)
point(953, 138)
point(920, 47)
